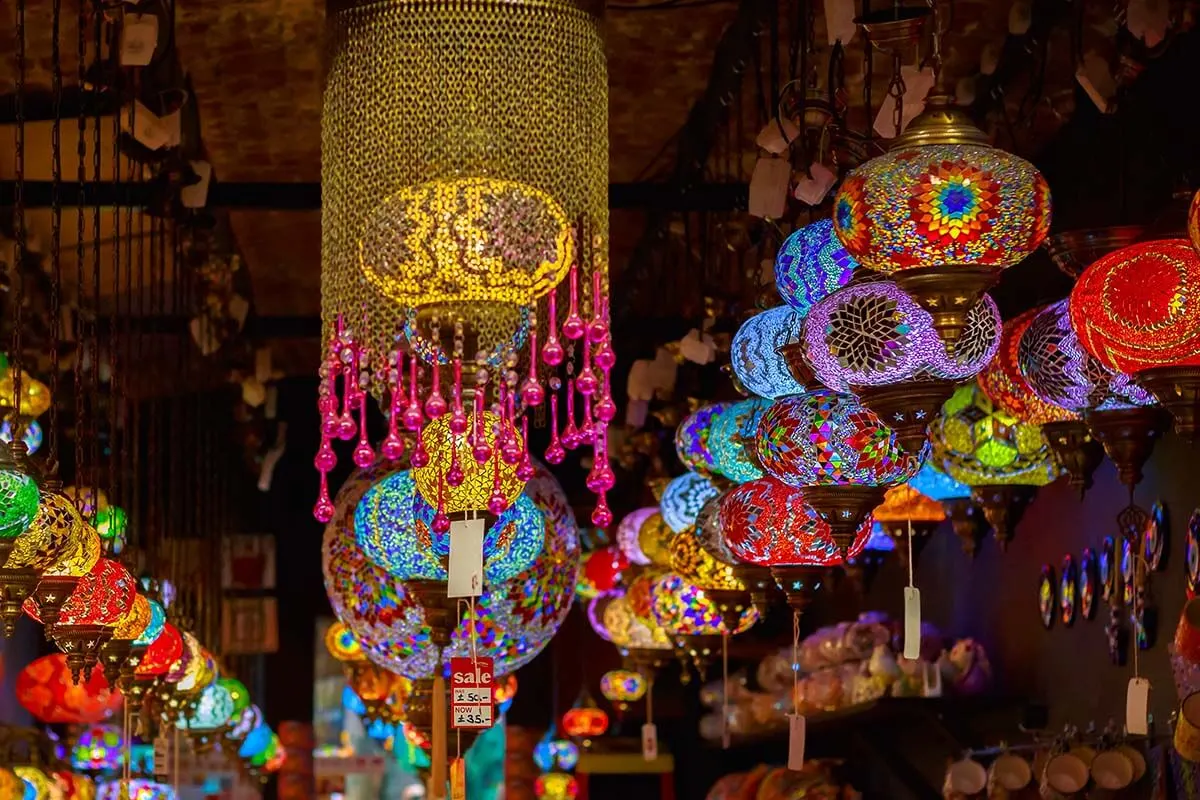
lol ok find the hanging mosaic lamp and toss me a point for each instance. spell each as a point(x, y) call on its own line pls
point(768, 524)
point(683, 498)
point(1135, 310)
point(1120, 414)
point(631, 626)
point(733, 440)
point(943, 213)
point(116, 651)
point(1002, 459)
point(755, 352)
point(955, 497)
point(627, 535)
point(556, 786)
point(97, 748)
point(476, 264)
point(621, 687)
point(904, 510)
point(585, 720)
point(342, 645)
point(874, 340)
point(692, 438)
point(100, 600)
point(46, 690)
point(810, 265)
point(164, 651)
point(141, 646)
point(55, 548)
point(602, 571)
point(728, 594)
point(73, 786)
point(19, 502)
point(654, 539)
point(211, 713)
point(755, 579)
point(693, 621)
point(838, 452)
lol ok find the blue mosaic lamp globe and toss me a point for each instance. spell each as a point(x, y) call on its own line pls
point(683, 498)
point(932, 482)
point(732, 431)
point(812, 264)
point(256, 742)
point(158, 621)
point(754, 352)
point(213, 710)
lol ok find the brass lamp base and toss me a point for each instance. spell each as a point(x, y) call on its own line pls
point(1128, 436)
point(760, 583)
point(81, 644)
point(948, 293)
point(1075, 451)
point(50, 596)
point(797, 363)
point(844, 508)
point(908, 408)
point(1074, 251)
point(967, 522)
point(16, 585)
point(113, 654)
point(894, 25)
point(730, 604)
point(441, 612)
point(698, 649)
point(1003, 505)
point(798, 584)
point(1178, 389)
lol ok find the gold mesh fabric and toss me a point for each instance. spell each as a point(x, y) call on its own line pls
point(437, 90)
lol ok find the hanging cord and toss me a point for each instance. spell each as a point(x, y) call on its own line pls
point(896, 90)
point(795, 663)
point(911, 582)
point(80, 237)
point(725, 690)
point(18, 297)
point(55, 232)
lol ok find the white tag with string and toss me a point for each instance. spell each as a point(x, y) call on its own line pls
point(649, 741)
point(931, 680)
point(1137, 707)
point(466, 559)
point(795, 742)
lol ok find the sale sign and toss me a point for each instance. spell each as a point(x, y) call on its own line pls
point(471, 693)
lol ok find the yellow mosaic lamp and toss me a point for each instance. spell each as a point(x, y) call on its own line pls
point(115, 652)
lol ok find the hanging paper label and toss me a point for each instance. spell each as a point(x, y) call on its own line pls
point(458, 780)
point(839, 21)
point(912, 622)
point(1137, 707)
point(162, 757)
point(471, 693)
point(768, 187)
point(813, 190)
point(931, 680)
point(139, 37)
point(796, 742)
point(649, 741)
point(466, 559)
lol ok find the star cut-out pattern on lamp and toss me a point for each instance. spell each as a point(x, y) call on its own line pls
point(811, 264)
point(823, 438)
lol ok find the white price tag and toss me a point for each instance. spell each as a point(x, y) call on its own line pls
point(813, 190)
point(839, 21)
point(1137, 707)
point(768, 187)
point(649, 741)
point(466, 559)
point(912, 623)
point(795, 742)
point(145, 126)
point(139, 37)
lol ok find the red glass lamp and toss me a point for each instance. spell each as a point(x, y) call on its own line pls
point(1193, 221)
point(1137, 310)
point(585, 721)
point(46, 690)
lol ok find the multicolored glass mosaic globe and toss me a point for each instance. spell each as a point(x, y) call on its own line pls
point(18, 503)
point(629, 618)
point(54, 538)
point(341, 644)
point(768, 524)
point(683, 609)
point(154, 629)
point(162, 653)
point(627, 534)
point(622, 686)
point(683, 498)
point(977, 444)
point(1138, 308)
point(97, 748)
point(654, 538)
point(755, 356)
point(823, 438)
point(102, 597)
point(875, 334)
point(135, 789)
point(212, 711)
point(553, 751)
point(710, 533)
point(601, 572)
point(732, 431)
point(38, 785)
point(32, 437)
point(112, 522)
point(1003, 383)
point(693, 562)
point(395, 528)
point(810, 265)
point(237, 692)
point(942, 205)
point(932, 482)
point(1062, 373)
point(692, 435)
point(447, 449)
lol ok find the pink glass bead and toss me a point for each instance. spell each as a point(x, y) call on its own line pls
point(532, 393)
point(553, 352)
point(411, 418)
point(364, 455)
point(323, 510)
point(481, 451)
point(601, 514)
point(573, 327)
point(511, 452)
point(458, 422)
point(420, 457)
point(441, 522)
point(597, 330)
point(601, 478)
point(587, 383)
point(525, 470)
point(454, 475)
point(605, 409)
point(497, 502)
point(435, 404)
point(605, 358)
point(392, 447)
point(555, 454)
point(325, 459)
point(346, 428)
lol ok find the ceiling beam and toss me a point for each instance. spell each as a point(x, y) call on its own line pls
point(307, 196)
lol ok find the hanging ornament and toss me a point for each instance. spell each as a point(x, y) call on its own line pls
point(46, 690)
point(943, 213)
point(621, 687)
point(77, 558)
point(692, 439)
point(732, 442)
point(904, 512)
point(874, 340)
point(683, 499)
point(839, 453)
point(1134, 311)
point(810, 265)
point(955, 497)
point(116, 651)
point(755, 352)
point(692, 620)
point(627, 535)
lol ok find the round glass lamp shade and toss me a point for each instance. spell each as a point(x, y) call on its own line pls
point(585, 721)
point(73, 786)
point(711, 534)
point(755, 356)
point(1005, 385)
point(654, 538)
point(112, 522)
point(213, 710)
point(812, 264)
point(250, 717)
point(627, 535)
point(875, 334)
point(683, 498)
point(977, 444)
point(692, 437)
point(135, 621)
point(97, 748)
point(78, 556)
point(932, 482)
point(939, 205)
point(683, 609)
point(256, 742)
point(237, 692)
point(623, 686)
point(768, 524)
point(35, 395)
point(823, 438)
point(102, 597)
point(18, 503)
point(552, 751)
point(46, 690)
point(447, 450)
point(33, 435)
point(692, 561)
point(38, 785)
point(164, 652)
point(154, 628)
point(135, 789)
point(601, 572)
point(1061, 372)
point(732, 431)
point(49, 536)
point(1139, 308)
point(556, 786)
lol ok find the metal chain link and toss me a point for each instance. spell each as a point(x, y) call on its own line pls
point(94, 377)
point(18, 297)
point(55, 231)
point(896, 90)
point(77, 321)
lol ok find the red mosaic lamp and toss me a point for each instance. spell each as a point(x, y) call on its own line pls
point(943, 213)
point(585, 721)
point(1193, 221)
point(1137, 311)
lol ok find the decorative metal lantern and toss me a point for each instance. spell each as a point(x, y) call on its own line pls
point(943, 212)
point(585, 720)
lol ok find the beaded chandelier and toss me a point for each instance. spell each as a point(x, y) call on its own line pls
point(943, 212)
point(453, 214)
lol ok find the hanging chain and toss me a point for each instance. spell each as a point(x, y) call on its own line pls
point(55, 231)
point(77, 317)
point(114, 468)
point(94, 377)
point(15, 359)
point(896, 91)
